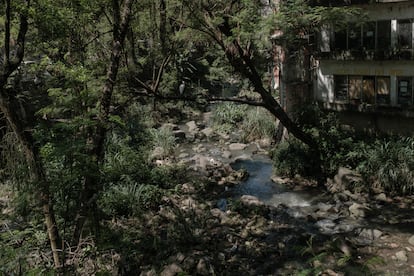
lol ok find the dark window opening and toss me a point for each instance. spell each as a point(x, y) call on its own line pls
point(363, 89)
point(354, 37)
point(340, 40)
point(341, 87)
point(405, 33)
point(355, 88)
point(368, 39)
point(383, 35)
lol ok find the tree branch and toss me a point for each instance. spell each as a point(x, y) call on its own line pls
point(199, 99)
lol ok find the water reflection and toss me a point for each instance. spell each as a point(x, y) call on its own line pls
point(260, 185)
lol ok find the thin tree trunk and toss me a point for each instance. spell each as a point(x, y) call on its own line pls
point(31, 152)
point(37, 175)
point(163, 27)
point(91, 183)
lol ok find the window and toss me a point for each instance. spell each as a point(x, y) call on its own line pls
point(383, 35)
point(355, 87)
point(354, 37)
point(405, 33)
point(340, 40)
point(405, 92)
point(368, 38)
point(363, 89)
point(368, 89)
point(374, 35)
point(383, 90)
point(341, 87)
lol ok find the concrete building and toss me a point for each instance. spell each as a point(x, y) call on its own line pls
point(365, 71)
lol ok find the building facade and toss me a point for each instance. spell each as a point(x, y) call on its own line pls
point(365, 70)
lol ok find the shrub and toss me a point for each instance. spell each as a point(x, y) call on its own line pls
point(164, 139)
point(389, 166)
point(338, 146)
point(257, 124)
point(129, 198)
point(293, 157)
point(386, 163)
point(227, 116)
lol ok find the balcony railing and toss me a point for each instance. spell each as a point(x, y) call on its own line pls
point(362, 54)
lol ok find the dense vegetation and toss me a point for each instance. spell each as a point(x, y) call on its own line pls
point(84, 86)
point(385, 162)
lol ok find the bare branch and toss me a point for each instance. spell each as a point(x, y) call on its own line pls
point(199, 99)
point(236, 100)
point(160, 73)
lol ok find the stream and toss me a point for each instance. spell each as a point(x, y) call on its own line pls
point(260, 185)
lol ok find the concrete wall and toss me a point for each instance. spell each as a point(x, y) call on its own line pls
point(394, 120)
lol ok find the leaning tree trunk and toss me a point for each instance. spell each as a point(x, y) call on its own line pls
point(24, 137)
point(91, 185)
point(241, 60)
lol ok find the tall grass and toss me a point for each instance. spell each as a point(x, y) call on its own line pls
point(227, 116)
point(255, 122)
point(163, 138)
point(389, 165)
point(258, 123)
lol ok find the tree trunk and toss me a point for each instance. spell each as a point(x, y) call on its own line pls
point(37, 175)
point(241, 60)
point(31, 151)
point(91, 184)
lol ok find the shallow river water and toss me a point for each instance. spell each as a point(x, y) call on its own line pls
point(260, 185)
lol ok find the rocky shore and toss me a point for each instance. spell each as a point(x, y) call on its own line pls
point(342, 232)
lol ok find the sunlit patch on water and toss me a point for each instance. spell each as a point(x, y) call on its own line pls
point(260, 185)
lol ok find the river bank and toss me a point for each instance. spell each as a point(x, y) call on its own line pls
point(278, 226)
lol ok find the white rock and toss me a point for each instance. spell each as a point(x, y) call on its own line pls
point(401, 256)
point(208, 132)
point(250, 200)
point(192, 126)
point(237, 146)
point(370, 234)
point(381, 197)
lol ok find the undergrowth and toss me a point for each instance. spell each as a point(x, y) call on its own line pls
point(385, 162)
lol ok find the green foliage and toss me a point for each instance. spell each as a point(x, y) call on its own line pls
point(385, 163)
point(257, 124)
point(129, 198)
point(338, 146)
point(132, 184)
point(389, 165)
point(297, 19)
point(163, 138)
point(227, 116)
point(13, 162)
point(23, 251)
point(293, 157)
